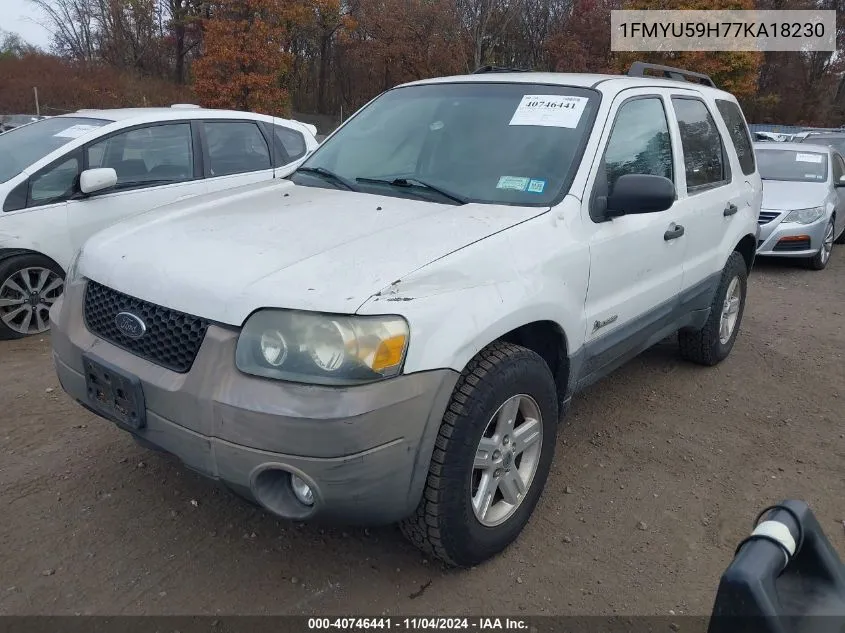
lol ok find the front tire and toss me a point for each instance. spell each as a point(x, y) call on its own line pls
point(711, 344)
point(841, 238)
point(820, 260)
point(29, 285)
point(491, 458)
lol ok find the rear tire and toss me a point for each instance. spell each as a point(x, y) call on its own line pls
point(28, 288)
point(711, 344)
point(503, 382)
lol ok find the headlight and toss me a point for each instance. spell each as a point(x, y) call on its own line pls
point(322, 349)
point(805, 216)
point(73, 275)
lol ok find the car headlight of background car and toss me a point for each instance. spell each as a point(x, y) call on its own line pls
point(323, 349)
point(805, 216)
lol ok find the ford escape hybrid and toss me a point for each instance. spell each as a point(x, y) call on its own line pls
point(393, 333)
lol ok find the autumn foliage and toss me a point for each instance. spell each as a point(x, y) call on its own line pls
point(734, 71)
point(65, 85)
point(330, 57)
point(245, 62)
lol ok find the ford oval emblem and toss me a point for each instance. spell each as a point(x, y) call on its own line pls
point(130, 325)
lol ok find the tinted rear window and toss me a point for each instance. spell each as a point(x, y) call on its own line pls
point(735, 122)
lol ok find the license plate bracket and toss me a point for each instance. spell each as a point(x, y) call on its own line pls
point(114, 394)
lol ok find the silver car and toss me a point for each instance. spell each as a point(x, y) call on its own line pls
point(803, 211)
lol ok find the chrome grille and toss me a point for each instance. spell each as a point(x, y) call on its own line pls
point(767, 216)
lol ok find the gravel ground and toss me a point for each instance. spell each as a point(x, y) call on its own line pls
point(659, 471)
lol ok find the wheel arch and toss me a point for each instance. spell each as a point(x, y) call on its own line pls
point(747, 247)
point(7, 253)
point(549, 341)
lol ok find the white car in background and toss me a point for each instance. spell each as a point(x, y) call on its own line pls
point(64, 178)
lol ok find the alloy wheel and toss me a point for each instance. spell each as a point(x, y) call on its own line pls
point(26, 297)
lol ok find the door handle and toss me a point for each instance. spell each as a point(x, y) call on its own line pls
point(730, 210)
point(673, 233)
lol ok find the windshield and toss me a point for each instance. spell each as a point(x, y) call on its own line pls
point(787, 164)
point(836, 142)
point(22, 146)
point(493, 143)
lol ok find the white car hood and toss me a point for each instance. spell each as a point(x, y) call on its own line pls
point(222, 256)
point(781, 194)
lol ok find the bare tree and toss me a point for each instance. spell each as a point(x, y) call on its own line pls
point(73, 25)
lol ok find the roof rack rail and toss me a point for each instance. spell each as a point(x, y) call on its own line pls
point(638, 69)
point(498, 69)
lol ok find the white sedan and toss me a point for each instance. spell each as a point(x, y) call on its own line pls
point(64, 178)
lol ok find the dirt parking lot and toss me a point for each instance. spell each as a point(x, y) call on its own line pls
point(659, 471)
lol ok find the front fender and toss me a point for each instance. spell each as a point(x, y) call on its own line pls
point(461, 303)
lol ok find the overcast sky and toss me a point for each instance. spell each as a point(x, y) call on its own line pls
point(21, 17)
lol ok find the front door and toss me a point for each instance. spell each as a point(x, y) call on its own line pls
point(636, 261)
point(155, 166)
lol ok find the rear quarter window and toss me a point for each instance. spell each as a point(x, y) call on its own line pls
point(738, 131)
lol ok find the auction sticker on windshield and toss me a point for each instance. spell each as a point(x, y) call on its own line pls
point(75, 131)
point(808, 158)
point(549, 111)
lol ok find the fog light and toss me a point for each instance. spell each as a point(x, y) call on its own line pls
point(302, 490)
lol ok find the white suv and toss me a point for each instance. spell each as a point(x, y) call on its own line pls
point(64, 178)
point(394, 333)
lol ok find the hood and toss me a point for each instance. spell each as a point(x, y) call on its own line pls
point(782, 195)
point(222, 256)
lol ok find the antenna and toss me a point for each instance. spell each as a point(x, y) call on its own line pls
point(273, 143)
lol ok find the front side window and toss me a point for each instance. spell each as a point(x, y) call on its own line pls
point(495, 143)
point(55, 183)
point(147, 156)
point(792, 165)
point(704, 157)
point(735, 122)
point(639, 142)
point(838, 168)
point(23, 146)
point(235, 147)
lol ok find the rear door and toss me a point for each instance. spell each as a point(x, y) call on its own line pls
point(717, 192)
point(235, 153)
point(155, 165)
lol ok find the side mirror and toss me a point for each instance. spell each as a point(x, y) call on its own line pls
point(92, 180)
point(640, 193)
point(840, 182)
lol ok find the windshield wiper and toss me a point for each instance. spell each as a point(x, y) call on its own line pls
point(328, 175)
point(408, 183)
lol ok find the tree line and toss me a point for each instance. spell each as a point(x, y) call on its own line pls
point(328, 56)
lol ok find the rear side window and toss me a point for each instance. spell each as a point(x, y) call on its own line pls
point(235, 147)
point(735, 122)
point(704, 156)
point(292, 141)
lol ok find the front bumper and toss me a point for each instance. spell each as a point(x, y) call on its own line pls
point(364, 450)
point(771, 240)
